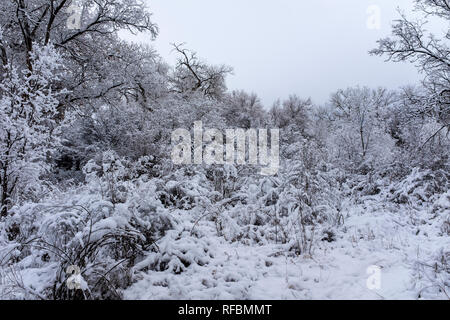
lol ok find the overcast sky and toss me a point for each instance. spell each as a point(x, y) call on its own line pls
point(310, 48)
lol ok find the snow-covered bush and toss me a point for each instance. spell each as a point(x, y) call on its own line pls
point(176, 252)
point(91, 229)
point(433, 276)
point(293, 209)
point(420, 186)
point(441, 209)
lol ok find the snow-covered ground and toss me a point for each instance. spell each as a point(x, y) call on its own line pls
point(402, 232)
point(395, 239)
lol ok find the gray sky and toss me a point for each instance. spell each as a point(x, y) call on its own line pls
point(277, 48)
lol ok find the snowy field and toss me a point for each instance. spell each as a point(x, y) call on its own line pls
point(397, 240)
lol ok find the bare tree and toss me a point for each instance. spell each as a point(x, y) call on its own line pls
point(192, 75)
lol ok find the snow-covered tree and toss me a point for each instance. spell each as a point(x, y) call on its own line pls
point(28, 125)
point(412, 41)
point(360, 127)
point(243, 110)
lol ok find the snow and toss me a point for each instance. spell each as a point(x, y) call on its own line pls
point(192, 246)
point(359, 207)
point(337, 270)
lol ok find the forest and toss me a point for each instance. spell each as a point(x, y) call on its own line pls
point(93, 205)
